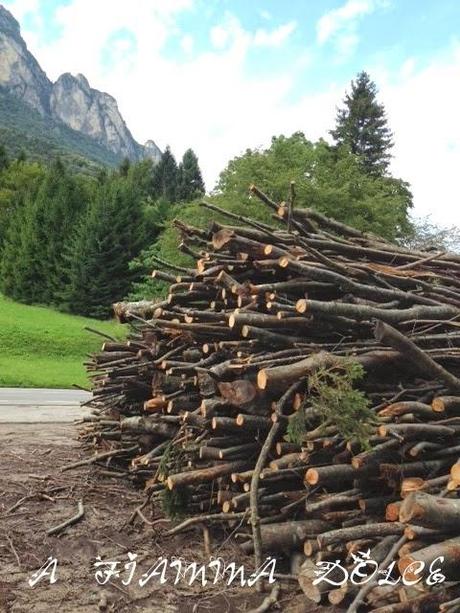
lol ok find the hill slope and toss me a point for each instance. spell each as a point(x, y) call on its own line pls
point(44, 348)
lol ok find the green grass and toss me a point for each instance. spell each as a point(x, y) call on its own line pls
point(40, 347)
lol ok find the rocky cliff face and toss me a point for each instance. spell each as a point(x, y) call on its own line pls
point(92, 112)
point(70, 100)
point(20, 72)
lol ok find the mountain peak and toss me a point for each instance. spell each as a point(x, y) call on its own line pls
point(82, 80)
point(8, 23)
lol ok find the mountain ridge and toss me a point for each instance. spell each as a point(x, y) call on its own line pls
point(69, 100)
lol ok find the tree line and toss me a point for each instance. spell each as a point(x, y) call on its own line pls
point(67, 240)
point(80, 243)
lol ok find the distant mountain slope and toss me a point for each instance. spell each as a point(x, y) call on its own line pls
point(22, 128)
point(69, 101)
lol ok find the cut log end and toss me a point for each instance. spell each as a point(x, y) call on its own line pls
point(311, 476)
point(283, 261)
point(301, 306)
point(392, 511)
point(438, 405)
point(262, 379)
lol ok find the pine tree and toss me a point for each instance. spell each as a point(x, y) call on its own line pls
point(165, 177)
point(14, 269)
point(124, 167)
point(361, 126)
point(33, 257)
point(110, 235)
point(190, 183)
point(4, 161)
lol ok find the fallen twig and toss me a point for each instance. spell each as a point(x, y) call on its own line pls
point(13, 549)
point(99, 456)
point(205, 518)
point(68, 522)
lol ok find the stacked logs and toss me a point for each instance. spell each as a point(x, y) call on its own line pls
point(197, 403)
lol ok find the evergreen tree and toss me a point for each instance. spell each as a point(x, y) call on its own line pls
point(180, 187)
point(18, 182)
point(141, 174)
point(124, 167)
point(190, 183)
point(4, 161)
point(102, 175)
point(361, 126)
point(14, 269)
point(33, 257)
point(165, 177)
point(110, 235)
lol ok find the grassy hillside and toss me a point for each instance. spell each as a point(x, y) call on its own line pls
point(40, 347)
point(43, 138)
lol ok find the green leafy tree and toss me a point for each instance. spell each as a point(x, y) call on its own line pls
point(361, 126)
point(164, 183)
point(327, 178)
point(190, 185)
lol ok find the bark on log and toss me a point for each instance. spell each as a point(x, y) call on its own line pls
point(449, 550)
point(430, 511)
point(204, 475)
point(387, 334)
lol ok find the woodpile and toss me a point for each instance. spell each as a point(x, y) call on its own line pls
point(202, 402)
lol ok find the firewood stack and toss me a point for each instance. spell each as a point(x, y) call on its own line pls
point(199, 403)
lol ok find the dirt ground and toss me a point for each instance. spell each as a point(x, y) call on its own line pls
point(35, 495)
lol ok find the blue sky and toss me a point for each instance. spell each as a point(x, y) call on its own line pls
point(224, 75)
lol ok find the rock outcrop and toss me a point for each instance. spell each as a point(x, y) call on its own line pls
point(20, 72)
point(152, 151)
point(92, 112)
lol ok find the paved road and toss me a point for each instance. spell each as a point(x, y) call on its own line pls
point(21, 405)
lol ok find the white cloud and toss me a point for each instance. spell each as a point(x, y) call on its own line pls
point(345, 45)
point(422, 108)
point(219, 37)
point(265, 15)
point(231, 30)
point(276, 37)
point(21, 8)
point(408, 68)
point(343, 17)
point(86, 26)
point(339, 26)
point(187, 43)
